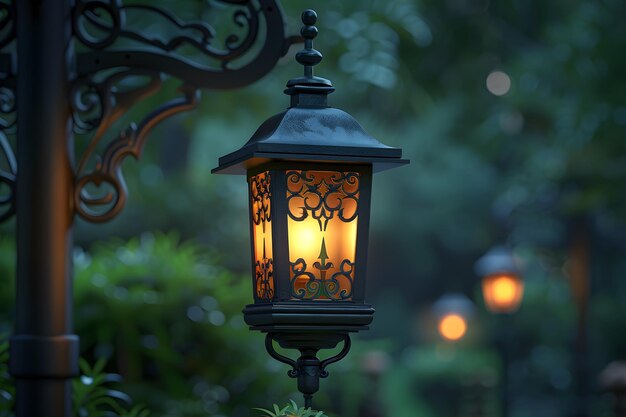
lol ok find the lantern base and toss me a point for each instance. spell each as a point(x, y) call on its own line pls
point(308, 327)
point(305, 317)
point(308, 368)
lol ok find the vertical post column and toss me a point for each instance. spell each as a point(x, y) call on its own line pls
point(579, 274)
point(44, 353)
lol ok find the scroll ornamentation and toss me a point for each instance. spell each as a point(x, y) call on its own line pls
point(116, 49)
point(260, 199)
point(324, 196)
point(7, 179)
point(96, 106)
point(8, 162)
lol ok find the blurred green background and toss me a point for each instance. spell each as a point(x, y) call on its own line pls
point(513, 114)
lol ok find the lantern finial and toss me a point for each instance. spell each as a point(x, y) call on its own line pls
point(309, 90)
point(309, 56)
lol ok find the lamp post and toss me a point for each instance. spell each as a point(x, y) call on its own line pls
point(82, 65)
point(309, 172)
point(503, 290)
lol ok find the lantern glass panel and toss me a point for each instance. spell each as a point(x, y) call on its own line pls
point(323, 209)
point(261, 222)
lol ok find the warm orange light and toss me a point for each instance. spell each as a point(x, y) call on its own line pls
point(322, 228)
point(452, 327)
point(503, 293)
point(261, 215)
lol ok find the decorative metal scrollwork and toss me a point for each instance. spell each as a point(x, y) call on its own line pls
point(104, 27)
point(260, 199)
point(119, 49)
point(7, 23)
point(317, 285)
point(329, 200)
point(7, 180)
point(97, 106)
point(8, 169)
point(323, 197)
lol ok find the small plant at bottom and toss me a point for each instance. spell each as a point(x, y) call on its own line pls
point(94, 397)
point(291, 410)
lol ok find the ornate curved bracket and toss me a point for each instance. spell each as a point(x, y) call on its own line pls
point(269, 346)
point(8, 169)
point(108, 170)
point(7, 179)
point(127, 62)
point(308, 369)
point(347, 344)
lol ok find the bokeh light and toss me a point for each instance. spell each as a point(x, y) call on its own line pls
point(498, 83)
point(452, 327)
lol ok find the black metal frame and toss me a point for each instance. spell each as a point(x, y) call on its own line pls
point(278, 174)
point(76, 59)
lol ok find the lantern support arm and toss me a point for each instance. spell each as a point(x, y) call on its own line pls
point(347, 344)
point(308, 369)
point(119, 63)
point(269, 346)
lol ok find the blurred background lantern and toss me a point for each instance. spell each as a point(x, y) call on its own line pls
point(453, 313)
point(502, 285)
point(309, 172)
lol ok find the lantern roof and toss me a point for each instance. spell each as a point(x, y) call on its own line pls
point(310, 130)
point(498, 260)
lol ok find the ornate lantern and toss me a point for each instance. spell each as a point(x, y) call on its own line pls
point(453, 313)
point(309, 172)
point(502, 285)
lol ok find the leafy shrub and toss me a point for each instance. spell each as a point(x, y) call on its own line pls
point(292, 410)
point(92, 394)
point(169, 318)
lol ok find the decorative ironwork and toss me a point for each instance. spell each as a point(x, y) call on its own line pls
point(337, 287)
point(260, 193)
point(109, 106)
point(109, 20)
point(121, 50)
point(8, 170)
point(7, 180)
point(260, 197)
point(323, 196)
point(7, 23)
point(264, 276)
point(308, 368)
point(101, 25)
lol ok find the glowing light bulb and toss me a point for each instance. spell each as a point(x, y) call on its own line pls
point(452, 327)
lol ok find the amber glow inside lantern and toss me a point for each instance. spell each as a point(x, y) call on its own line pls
point(502, 284)
point(319, 211)
point(503, 293)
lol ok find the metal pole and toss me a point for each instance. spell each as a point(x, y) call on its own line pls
point(579, 272)
point(44, 353)
point(504, 347)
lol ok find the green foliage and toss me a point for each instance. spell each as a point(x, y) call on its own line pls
point(291, 410)
point(7, 390)
point(93, 397)
point(92, 392)
point(169, 317)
